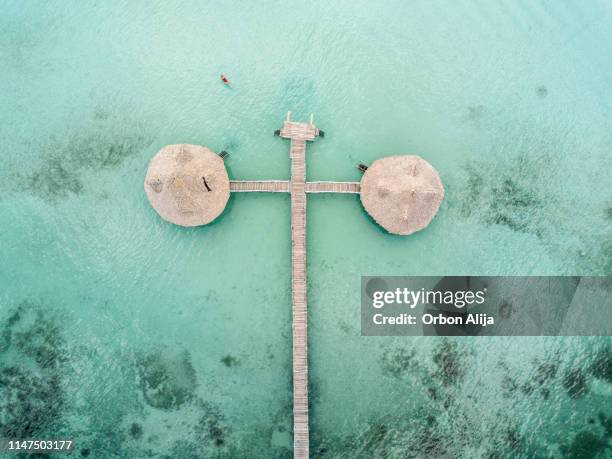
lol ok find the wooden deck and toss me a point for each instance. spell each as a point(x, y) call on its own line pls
point(333, 187)
point(249, 186)
point(299, 134)
point(283, 186)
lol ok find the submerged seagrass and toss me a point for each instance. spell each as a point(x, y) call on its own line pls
point(187, 184)
point(402, 193)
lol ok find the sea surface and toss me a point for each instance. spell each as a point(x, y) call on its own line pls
point(140, 339)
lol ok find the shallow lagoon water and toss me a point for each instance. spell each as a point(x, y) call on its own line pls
point(142, 339)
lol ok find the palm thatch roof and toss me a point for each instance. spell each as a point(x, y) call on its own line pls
point(402, 193)
point(187, 184)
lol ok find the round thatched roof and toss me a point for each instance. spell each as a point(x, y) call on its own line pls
point(187, 184)
point(402, 193)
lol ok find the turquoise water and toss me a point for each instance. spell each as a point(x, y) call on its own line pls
point(141, 339)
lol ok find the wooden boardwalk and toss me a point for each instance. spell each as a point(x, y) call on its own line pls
point(273, 186)
point(283, 186)
point(299, 134)
point(333, 187)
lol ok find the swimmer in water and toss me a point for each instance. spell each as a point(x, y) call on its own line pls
point(224, 79)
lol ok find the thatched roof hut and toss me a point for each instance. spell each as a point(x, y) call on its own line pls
point(187, 184)
point(402, 193)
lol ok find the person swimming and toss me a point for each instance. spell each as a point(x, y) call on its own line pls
point(224, 79)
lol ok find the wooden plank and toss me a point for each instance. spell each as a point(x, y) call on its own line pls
point(299, 297)
point(294, 131)
point(300, 133)
point(333, 187)
point(249, 186)
point(283, 186)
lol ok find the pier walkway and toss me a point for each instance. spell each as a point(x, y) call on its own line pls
point(333, 187)
point(283, 186)
point(249, 186)
point(299, 134)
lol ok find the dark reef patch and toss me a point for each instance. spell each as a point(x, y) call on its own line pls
point(511, 204)
point(606, 423)
point(135, 431)
point(53, 180)
point(512, 199)
point(602, 365)
point(372, 441)
point(545, 372)
point(160, 411)
point(396, 362)
point(575, 383)
point(541, 381)
point(430, 443)
point(542, 91)
point(585, 445)
point(521, 190)
point(124, 397)
point(42, 341)
point(448, 359)
point(453, 421)
point(103, 146)
point(32, 399)
point(30, 404)
point(230, 361)
point(206, 438)
point(509, 386)
point(167, 379)
point(211, 428)
point(512, 438)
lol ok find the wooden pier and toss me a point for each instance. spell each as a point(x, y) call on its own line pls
point(283, 186)
point(299, 134)
point(249, 186)
point(194, 171)
point(333, 187)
